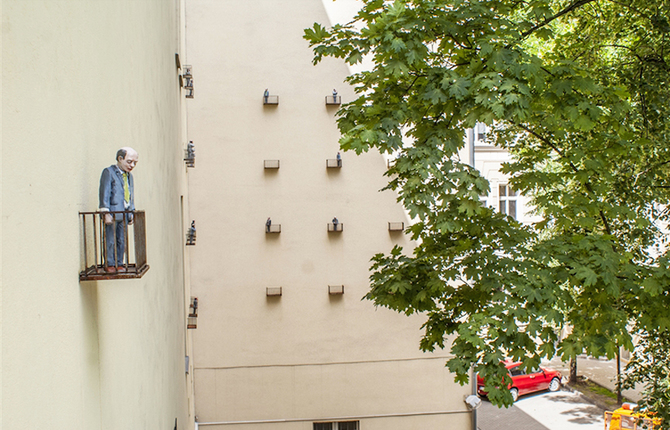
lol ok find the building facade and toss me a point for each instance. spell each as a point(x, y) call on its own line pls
point(488, 159)
point(284, 338)
point(80, 79)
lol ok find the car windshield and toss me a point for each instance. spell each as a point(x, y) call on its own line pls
point(516, 371)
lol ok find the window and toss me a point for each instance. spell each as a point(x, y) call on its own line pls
point(342, 425)
point(507, 198)
point(480, 132)
point(516, 371)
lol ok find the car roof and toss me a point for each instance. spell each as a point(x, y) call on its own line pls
point(510, 363)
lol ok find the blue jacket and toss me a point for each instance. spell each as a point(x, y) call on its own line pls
point(111, 191)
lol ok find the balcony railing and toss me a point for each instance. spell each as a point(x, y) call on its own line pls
point(333, 163)
point(335, 227)
point(192, 321)
point(396, 226)
point(271, 100)
point(334, 100)
point(134, 263)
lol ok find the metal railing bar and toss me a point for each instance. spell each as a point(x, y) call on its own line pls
point(97, 228)
point(85, 248)
point(126, 261)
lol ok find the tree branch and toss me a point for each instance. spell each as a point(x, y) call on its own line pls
point(574, 168)
point(575, 5)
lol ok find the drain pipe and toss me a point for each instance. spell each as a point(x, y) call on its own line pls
point(472, 372)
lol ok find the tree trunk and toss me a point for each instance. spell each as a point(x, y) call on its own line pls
point(619, 398)
point(573, 370)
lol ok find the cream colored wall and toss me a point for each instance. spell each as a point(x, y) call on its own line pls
point(81, 79)
point(371, 391)
point(256, 356)
point(447, 420)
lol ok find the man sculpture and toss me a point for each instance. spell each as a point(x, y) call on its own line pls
point(116, 194)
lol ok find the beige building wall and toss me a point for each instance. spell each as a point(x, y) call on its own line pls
point(79, 80)
point(283, 362)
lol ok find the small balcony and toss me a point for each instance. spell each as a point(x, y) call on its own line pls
point(335, 290)
point(335, 227)
point(271, 100)
point(189, 154)
point(273, 291)
point(192, 322)
point(271, 164)
point(334, 100)
point(131, 264)
point(396, 226)
point(333, 163)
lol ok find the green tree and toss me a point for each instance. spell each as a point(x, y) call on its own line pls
point(650, 367)
point(577, 92)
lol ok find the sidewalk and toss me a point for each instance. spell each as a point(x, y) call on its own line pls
point(600, 371)
point(560, 410)
point(491, 417)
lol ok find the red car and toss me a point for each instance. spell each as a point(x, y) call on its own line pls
point(540, 379)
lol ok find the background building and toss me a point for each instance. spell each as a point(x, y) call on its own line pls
point(311, 354)
point(79, 80)
point(488, 159)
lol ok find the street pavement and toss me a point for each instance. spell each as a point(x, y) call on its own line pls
point(490, 417)
point(561, 410)
point(599, 370)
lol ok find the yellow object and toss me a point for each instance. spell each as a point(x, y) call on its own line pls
point(626, 418)
point(126, 188)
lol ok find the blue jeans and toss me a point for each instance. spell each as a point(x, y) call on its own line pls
point(114, 233)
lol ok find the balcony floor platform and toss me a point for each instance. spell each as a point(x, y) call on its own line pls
point(98, 273)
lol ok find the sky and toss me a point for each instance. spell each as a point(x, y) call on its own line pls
point(341, 11)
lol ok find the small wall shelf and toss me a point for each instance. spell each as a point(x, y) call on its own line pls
point(271, 164)
point(335, 228)
point(271, 100)
point(335, 289)
point(396, 226)
point(273, 228)
point(333, 163)
point(273, 291)
point(333, 100)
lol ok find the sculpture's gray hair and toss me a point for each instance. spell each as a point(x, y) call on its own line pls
point(123, 152)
